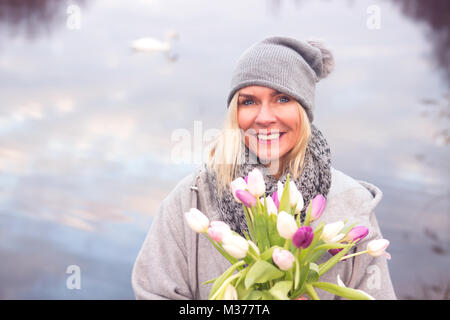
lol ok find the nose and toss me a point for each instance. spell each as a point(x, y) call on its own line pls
point(265, 116)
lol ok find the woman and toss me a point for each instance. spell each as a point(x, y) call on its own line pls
point(268, 126)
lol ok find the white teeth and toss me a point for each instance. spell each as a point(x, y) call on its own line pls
point(268, 137)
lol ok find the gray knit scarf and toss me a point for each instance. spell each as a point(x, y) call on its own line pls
point(315, 179)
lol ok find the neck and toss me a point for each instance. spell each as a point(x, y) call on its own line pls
point(274, 168)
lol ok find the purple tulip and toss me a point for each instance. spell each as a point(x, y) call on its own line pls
point(318, 205)
point(357, 234)
point(303, 237)
point(246, 197)
point(275, 199)
point(334, 251)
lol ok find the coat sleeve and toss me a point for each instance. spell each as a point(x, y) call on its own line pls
point(161, 270)
point(371, 274)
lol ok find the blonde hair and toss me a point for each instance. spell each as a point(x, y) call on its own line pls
point(224, 156)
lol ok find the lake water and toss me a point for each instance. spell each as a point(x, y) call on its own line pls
point(87, 126)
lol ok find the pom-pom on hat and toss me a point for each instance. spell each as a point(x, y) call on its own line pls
point(285, 64)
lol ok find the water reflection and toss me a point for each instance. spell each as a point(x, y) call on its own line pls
point(436, 16)
point(34, 18)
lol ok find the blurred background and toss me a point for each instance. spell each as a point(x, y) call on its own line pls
point(94, 96)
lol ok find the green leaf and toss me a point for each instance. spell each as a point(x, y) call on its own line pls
point(241, 290)
point(261, 272)
point(308, 213)
point(280, 290)
point(242, 277)
point(220, 280)
point(275, 238)
point(323, 248)
point(298, 220)
point(348, 228)
point(311, 292)
point(261, 229)
point(316, 255)
point(254, 295)
point(249, 223)
point(324, 267)
point(328, 246)
point(222, 251)
point(344, 292)
point(285, 200)
point(304, 271)
point(313, 273)
point(266, 255)
point(209, 281)
point(266, 295)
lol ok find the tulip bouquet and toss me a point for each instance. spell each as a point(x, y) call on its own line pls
point(278, 258)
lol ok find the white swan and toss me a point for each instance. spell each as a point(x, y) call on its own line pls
point(153, 45)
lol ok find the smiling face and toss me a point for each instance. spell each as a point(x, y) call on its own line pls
point(270, 121)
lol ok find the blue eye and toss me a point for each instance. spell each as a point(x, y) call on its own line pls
point(245, 102)
point(285, 99)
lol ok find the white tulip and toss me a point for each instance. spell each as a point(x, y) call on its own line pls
point(300, 204)
point(254, 247)
point(295, 197)
point(377, 247)
point(286, 225)
point(235, 245)
point(255, 183)
point(197, 220)
point(230, 293)
point(271, 207)
point(331, 232)
point(280, 189)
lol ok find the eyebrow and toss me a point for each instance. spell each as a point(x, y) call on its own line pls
point(245, 95)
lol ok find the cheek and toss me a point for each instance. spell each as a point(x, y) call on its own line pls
point(245, 119)
point(291, 118)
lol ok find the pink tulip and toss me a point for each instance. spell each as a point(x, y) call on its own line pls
point(246, 198)
point(284, 259)
point(275, 199)
point(318, 205)
point(237, 184)
point(218, 230)
point(357, 234)
point(303, 237)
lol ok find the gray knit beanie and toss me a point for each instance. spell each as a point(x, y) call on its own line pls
point(285, 64)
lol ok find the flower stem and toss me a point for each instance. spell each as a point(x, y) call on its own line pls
point(286, 244)
point(353, 255)
point(251, 214)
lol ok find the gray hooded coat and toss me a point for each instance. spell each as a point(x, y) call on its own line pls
point(174, 261)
